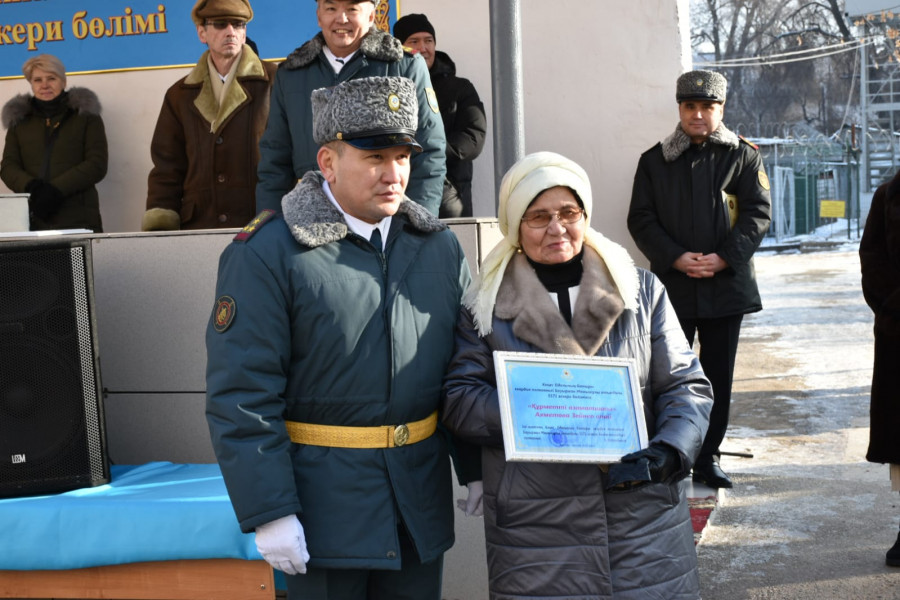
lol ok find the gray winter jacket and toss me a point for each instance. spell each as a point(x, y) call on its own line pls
point(552, 531)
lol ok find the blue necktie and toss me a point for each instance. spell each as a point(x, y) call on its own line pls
point(375, 240)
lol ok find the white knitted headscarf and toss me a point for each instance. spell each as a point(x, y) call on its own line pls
point(524, 182)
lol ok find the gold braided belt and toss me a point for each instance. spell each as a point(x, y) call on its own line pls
point(385, 436)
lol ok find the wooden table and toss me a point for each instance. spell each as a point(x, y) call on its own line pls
point(158, 531)
point(211, 579)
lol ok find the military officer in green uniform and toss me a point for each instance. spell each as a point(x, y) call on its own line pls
point(327, 345)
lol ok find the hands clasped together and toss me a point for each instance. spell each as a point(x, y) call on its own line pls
point(699, 265)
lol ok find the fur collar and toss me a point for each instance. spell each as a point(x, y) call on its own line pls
point(524, 300)
point(376, 44)
point(249, 65)
point(79, 99)
point(674, 145)
point(314, 221)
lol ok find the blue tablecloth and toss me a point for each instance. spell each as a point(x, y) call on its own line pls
point(151, 512)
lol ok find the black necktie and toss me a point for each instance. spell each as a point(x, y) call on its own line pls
point(375, 240)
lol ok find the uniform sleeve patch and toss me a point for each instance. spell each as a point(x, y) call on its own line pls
point(763, 179)
point(223, 313)
point(432, 100)
point(253, 226)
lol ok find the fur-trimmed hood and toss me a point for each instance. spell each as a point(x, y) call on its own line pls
point(674, 145)
point(79, 99)
point(376, 44)
point(524, 300)
point(314, 221)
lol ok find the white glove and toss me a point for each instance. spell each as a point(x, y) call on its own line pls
point(282, 543)
point(472, 504)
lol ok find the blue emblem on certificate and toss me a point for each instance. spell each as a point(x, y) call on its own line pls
point(561, 408)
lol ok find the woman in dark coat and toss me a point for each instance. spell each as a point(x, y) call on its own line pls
point(55, 148)
point(554, 285)
point(879, 256)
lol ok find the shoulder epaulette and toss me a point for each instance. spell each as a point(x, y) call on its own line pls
point(748, 142)
point(253, 226)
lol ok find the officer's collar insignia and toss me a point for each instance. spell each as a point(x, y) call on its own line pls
point(253, 226)
point(223, 313)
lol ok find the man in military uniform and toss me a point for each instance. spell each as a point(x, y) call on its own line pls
point(348, 46)
point(700, 207)
point(327, 347)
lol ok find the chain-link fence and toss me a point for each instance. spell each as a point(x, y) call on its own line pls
point(814, 183)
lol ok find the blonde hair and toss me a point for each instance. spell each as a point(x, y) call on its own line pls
point(44, 62)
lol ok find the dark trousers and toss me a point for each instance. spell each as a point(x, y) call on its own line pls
point(718, 348)
point(414, 580)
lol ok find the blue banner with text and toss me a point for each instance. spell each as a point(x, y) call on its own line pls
point(116, 35)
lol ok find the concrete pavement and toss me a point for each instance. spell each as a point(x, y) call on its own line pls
point(808, 516)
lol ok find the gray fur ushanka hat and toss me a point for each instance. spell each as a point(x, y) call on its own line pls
point(701, 85)
point(368, 113)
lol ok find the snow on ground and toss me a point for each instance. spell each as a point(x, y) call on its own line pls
point(804, 364)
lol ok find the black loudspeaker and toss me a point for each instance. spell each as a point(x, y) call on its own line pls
point(51, 418)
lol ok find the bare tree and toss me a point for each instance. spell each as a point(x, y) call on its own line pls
point(765, 98)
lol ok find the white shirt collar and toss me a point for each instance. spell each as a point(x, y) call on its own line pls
point(337, 63)
point(358, 226)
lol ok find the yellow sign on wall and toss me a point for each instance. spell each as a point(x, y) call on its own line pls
point(832, 209)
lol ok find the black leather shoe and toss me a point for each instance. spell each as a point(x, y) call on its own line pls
point(893, 555)
point(711, 474)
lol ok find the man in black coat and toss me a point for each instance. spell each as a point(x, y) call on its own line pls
point(700, 207)
point(465, 123)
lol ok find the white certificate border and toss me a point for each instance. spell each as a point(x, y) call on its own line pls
point(506, 418)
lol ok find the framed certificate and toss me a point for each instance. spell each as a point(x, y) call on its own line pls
point(564, 408)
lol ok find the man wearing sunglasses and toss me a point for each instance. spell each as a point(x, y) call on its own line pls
point(206, 144)
point(349, 46)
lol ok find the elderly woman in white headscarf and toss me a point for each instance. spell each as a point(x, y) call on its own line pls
point(554, 285)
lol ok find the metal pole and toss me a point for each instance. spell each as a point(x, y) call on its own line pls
point(865, 176)
point(779, 213)
point(508, 98)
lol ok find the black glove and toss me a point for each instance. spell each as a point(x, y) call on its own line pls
point(657, 463)
point(45, 199)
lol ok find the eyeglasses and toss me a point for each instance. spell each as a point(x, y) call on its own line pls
point(566, 216)
point(223, 24)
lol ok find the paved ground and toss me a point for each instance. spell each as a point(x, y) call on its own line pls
point(808, 517)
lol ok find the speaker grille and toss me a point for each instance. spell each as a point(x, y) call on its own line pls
point(51, 430)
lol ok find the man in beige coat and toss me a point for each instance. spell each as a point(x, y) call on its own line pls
point(206, 143)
